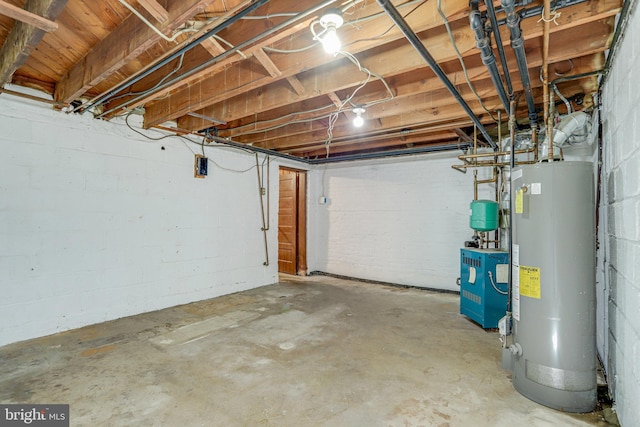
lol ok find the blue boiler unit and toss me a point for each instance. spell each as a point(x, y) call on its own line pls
point(484, 279)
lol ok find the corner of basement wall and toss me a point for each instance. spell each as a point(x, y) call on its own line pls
point(620, 264)
point(399, 220)
point(98, 223)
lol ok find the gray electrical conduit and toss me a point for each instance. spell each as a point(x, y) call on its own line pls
point(156, 66)
point(213, 60)
point(413, 39)
point(264, 224)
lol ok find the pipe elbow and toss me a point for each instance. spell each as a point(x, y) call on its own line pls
point(508, 5)
point(476, 21)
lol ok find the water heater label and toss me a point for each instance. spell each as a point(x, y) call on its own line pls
point(519, 201)
point(530, 282)
point(536, 188)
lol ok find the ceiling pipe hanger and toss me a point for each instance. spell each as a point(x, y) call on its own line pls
point(412, 37)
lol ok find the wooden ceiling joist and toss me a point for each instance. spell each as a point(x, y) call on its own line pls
point(155, 9)
point(129, 40)
point(406, 60)
point(24, 37)
point(27, 17)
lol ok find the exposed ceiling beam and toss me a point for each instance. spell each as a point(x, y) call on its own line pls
point(129, 40)
point(27, 17)
point(23, 38)
point(198, 95)
point(424, 17)
point(462, 135)
point(297, 86)
point(321, 83)
point(213, 46)
point(267, 63)
point(155, 9)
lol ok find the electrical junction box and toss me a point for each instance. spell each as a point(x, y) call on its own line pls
point(201, 166)
point(484, 276)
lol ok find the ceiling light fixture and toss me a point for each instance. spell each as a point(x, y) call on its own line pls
point(358, 121)
point(331, 21)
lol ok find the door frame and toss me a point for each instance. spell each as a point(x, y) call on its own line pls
point(301, 218)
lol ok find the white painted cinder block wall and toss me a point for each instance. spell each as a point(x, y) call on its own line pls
point(401, 221)
point(98, 223)
point(621, 202)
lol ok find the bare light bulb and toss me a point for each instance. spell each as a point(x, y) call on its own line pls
point(331, 20)
point(358, 121)
point(330, 41)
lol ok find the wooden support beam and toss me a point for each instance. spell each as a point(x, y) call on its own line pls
point(267, 63)
point(297, 86)
point(129, 40)
point(27, 17)
point(155, 9)
point(463, 136)
point(424, 18)
point(198, 95)
point(344, 78)
point(23, 38)
point(213, 46)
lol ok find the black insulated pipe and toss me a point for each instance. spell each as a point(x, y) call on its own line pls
point(395, 16)
point(517, 43)
point(496, 33)
point(226, 53)
point(190, 45)
point(486, 52)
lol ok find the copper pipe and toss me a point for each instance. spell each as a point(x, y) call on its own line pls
point(545, 57)
point(491, 164)
point(492, 154)
point(550, 128)
point(475, 185)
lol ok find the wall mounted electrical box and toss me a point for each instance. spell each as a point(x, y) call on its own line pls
point(201, 166)
point(484, 274)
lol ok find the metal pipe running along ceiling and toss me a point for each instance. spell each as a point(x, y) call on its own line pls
point(223, 55)
point(412, 37)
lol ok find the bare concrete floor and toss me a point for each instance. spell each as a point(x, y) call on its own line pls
point(311, 351)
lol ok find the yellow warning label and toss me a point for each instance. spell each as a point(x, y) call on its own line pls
point(519, 201)
point(530, 282)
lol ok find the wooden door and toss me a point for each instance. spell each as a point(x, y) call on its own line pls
point(292, 222)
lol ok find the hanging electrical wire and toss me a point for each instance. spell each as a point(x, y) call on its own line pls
point(175, 70)
point(171, 39)
point(185, 140)
point(461, 60)
point(356, 22)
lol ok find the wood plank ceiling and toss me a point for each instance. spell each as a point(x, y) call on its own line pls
point(264, 81)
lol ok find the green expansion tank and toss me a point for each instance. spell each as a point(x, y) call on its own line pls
point(484, 215)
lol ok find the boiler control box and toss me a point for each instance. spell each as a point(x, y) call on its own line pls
point(483, 285)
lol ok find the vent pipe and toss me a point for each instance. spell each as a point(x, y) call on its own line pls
point(517, 43)
point(486, 52)
point(411, 36)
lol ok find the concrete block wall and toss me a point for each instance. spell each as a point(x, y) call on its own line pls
point(401, 221)
point(621, 207)
point(97, 222)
